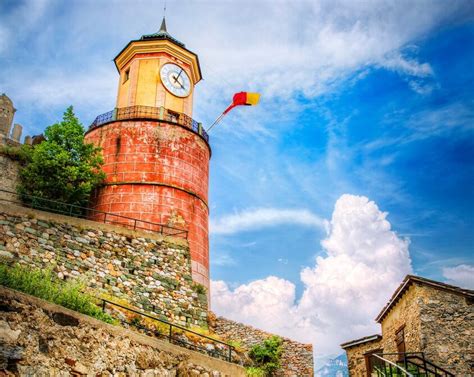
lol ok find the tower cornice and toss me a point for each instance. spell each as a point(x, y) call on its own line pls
point(162, 45)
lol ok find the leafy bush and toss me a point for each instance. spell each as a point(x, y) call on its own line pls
point(21, 154)
point(266, 355)
point(199, 289)
point(255, 372)
point(43, 284)
point(63, 168)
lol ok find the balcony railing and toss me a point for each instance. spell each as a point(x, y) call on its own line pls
point(150, 113)
point(404, 364)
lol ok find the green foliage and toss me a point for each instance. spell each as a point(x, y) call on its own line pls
point(21, 154)
point(266, 355)
point(237, 344)
point(63, 168)
point(199, 288)
point(43, 284)
point(255, 372)
point(136, 321)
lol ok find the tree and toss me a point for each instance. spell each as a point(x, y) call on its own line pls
point(63, 167)
point(266, 355)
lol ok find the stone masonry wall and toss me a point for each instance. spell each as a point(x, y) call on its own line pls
point(297, 358)
point(146, 270)
point(356, 360)
point(42, 339)
point(447, 330)
point(406, 312)
point(10, 177)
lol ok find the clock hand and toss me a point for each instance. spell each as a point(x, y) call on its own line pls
point(177, 77)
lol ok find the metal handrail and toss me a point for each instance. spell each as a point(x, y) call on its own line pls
point(392, 363)
point(147, 113)
point(170, 337)
point(86, 213)
point(427, 365)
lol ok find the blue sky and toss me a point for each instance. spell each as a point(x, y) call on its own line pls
point(370, 99)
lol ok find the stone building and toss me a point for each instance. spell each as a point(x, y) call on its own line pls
point(427, 323)
point(7, 111)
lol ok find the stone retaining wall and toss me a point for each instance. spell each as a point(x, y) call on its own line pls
point(297, 358)
point(42, 339)
point(144, 269)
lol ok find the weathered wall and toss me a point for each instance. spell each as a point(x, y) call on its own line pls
point(405, 312)
point(356, 360)
point(7, 111)
point(10, 177)
point(145, 269)
point(41, 339)
point(447, 330)
point(297, 358)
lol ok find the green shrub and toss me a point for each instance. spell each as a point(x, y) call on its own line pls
point(21, 154)
point(266, 355)
point(255, 372)
point(44, 284)
point(199, 289)
point(62, 168)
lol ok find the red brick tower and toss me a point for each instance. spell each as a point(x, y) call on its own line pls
point(156, 156)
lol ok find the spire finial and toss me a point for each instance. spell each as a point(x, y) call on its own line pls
point(163, 23)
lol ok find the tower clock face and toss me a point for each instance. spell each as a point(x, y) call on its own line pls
point(175, 79)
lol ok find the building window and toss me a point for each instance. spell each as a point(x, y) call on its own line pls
point(400, 339)
point(126, 76)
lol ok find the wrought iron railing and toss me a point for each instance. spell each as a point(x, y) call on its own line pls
point(405, 364)
point(61, 208)
point(147, 113)
point(175, 334)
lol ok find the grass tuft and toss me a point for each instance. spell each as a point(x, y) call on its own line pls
point(45, 285)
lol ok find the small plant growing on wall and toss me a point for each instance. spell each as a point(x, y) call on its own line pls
point(266, 357)
point(199, 289)
point(21, 154)
point(63, 167)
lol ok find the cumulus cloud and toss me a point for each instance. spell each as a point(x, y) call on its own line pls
point(264, 217)
point(364, 261)
point(462, 275)
point(303, 47)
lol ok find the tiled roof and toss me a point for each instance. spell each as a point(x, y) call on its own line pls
point(365, 339)
point(162, 34)
point(409, 280)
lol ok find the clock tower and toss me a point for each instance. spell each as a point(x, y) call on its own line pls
point(156, 157)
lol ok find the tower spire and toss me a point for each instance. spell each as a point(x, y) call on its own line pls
point(163, 25)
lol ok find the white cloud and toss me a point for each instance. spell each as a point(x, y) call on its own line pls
point(222, 259)
point(364, 262)
point(302, 47)
point(264, 217)
point(462, 275)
